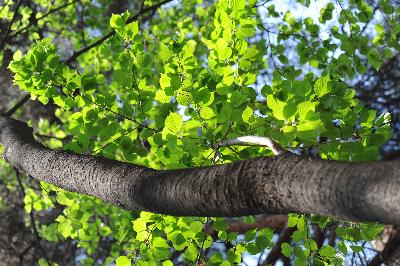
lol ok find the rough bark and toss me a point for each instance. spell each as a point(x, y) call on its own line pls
point(366, 191)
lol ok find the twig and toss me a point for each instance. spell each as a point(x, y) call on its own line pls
point(81, 22)
point(32, 218)
point(253, 141)
point(262, 4)
point(42, 17)
point(202, 244)
point(3, 42)
point(111, 33)
point(332, 238)
point(17, 105)
point(4, 6)
point(369, 21)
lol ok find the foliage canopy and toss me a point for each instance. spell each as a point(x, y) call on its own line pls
point(163, 88)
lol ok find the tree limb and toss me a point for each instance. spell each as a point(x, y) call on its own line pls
point(366, 191)
point(253, 140)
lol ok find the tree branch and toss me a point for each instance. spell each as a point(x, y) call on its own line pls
point(366, 191)
point(253, 140)
point(32, 218)
point(387, 247)
point(275, 253)
point(18, 105)
point(3, 41)
point(52, 10)
point(85, 49)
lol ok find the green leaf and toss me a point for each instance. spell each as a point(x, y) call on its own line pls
point(206, 113)
point(321, 86)
point(305, 107)
point(191, 252)
point(162, 97)
point(292, 220)
point(356, 248)
point(248, 219)
point(280, 109)
point(183, 98)
point(250, 53)
point(123, 261)
point(327, 251)
point(223, 50)
point(139, 225)
point(238, 4)
point(196, 226)
point(65, 228)
point(174, 122)
point(286, 250)
point(179, 241)
point(165, 81)
point(247, 114)
point(131, 30)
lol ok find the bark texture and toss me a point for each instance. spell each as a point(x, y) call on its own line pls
point(281, 184)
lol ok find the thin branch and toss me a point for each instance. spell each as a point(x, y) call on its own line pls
point(202, 244)
point(369, 21)
point(332, 238)
point(262, 4)
point(3, 42)
point(32, 218)
point(275, 253)
point(76, 54)
point(18, 105)
point(253, 141)
point(4, 6)
point(52, 10)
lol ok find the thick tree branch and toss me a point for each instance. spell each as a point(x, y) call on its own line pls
point(366, 191)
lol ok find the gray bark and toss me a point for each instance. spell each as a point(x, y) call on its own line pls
point(365, 191)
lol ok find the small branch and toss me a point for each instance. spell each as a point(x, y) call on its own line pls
point(253, 141)
point(3, 42)
point(332, 238)
point(275, 254)
point(202, 244)
point(319, 235)
point(18, 105)
point(111, 33)
point(32, 218)
point(369, 21)
point(53, 10)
